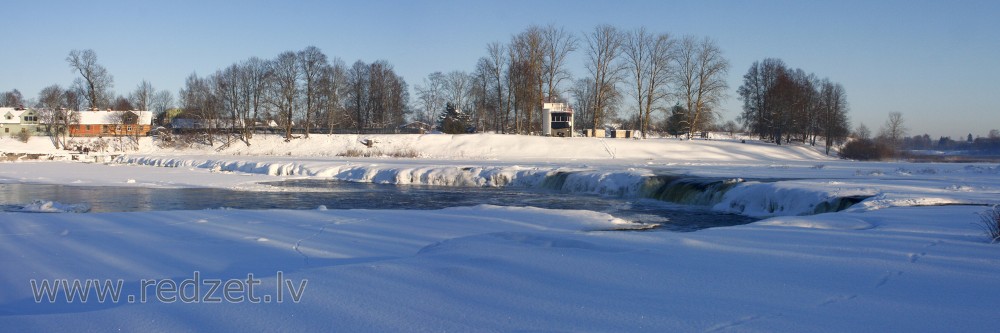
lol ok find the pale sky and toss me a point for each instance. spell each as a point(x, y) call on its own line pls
point(937, 62)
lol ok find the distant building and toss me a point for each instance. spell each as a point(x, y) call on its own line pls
point(417, 127)
point(557, 119)
point(112, 123)
point(14, 120)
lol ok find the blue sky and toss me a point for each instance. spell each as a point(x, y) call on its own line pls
point(937, 62)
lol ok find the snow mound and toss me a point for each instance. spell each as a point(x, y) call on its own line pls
point(789, 198)
point(887, 201)
point(823, 222)
point(45, 206)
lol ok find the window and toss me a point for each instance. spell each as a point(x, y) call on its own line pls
point(6, 129)
point(88, 127)
point(129, 128)
point(560, 121)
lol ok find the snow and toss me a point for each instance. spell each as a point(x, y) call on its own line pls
point(908, 257)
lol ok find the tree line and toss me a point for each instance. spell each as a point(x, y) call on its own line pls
point(988, 143)
point(644, 70)
point(651, 81)
point(300, 91)
point(631, 77)
point(782, 104)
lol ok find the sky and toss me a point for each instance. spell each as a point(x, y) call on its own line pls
point(936, 62)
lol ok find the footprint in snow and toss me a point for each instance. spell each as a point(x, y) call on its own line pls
point(885, 278)
point(733, 324)
point(837, 299)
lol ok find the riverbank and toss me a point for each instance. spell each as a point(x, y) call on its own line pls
point(908, 258)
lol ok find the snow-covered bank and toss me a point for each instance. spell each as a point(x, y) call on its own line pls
point(883, 264)
point(510, 269)
point(464, 147)
point(779, 180)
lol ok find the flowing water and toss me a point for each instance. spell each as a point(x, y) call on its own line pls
point(312, 194)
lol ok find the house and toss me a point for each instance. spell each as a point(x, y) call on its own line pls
point(14, 120)
point(417, 127)
point(112, 123)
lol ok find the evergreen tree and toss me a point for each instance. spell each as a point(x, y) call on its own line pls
point(454, 121)
point(677, 123)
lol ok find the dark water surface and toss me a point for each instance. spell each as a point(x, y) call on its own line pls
point(311, 194)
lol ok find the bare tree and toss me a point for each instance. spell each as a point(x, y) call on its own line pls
point(483, 108)
point(51, 97)
point(258, 74)
point(376, 97)
point(755, 92)
point(431, 97)
point(894, 129)
point(496, 61)
point(286, 78)
point(96, 81)
point(701, 79)
point(605, 45)
point(233, 96)
point(162, 101)
point(649, 60)
point(121, 103)
point(833, 113)
point(73, 99)
point(557, 45)
point(332, 87)
point(201, 106)
point(582, 93)
point(357, 94)
point(387, 96)
point(313, 63)
point(57, 118)
point(792, 100)
point(525, 77)
point(11, 98)
point(862, 132)
point(142, 96)
point(458, 85)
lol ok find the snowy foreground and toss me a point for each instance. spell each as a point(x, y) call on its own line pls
point(900, 260)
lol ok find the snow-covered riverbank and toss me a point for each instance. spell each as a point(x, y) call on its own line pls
point(885, 264)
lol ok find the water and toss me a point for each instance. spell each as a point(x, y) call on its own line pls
point(311, 194)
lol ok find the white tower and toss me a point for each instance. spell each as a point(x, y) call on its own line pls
point(557, 120)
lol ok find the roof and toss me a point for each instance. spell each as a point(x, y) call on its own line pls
point(108, 117)
point(557, 108)
point(15, 115)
